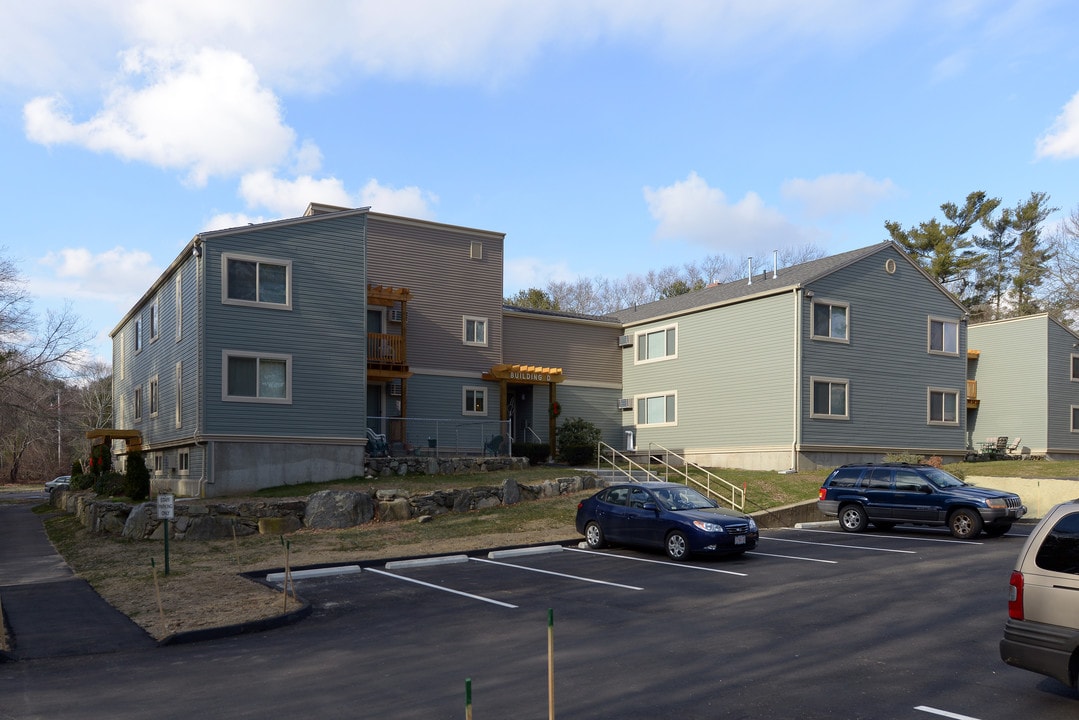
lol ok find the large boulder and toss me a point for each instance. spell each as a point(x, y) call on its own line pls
point(332, 509)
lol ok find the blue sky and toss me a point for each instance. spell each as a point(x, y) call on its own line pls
point(604, 137)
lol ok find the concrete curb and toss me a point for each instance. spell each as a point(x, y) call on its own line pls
point(270, 623)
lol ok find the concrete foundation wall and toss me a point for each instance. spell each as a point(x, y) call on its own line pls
point(1038, 494)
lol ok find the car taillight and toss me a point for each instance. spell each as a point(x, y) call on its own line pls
point(821, 493)
point(1015, 596)
point(580, 505)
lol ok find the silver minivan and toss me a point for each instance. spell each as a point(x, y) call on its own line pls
point(1042, 632)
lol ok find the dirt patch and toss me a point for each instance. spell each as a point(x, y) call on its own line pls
point(205, 587)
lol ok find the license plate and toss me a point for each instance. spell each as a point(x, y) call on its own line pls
point(739, 539)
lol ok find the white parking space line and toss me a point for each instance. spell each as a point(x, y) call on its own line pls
point(439, 587)
point(657, 562)
point(835, 545)
point(557, 574)
point(944, 713)
point(793, 557)
point(898, 537)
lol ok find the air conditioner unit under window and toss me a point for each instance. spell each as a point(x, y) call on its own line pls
point(625, 403)
point(395, 316)
point(625, 341)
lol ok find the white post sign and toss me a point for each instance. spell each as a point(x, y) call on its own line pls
point(165, 506)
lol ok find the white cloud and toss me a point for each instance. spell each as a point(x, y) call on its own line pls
point(691, 210)
point(838, 193)
point(410, 201)
point(530, 272)
point(1061, 141)
point(204, 113)
point(117, 276)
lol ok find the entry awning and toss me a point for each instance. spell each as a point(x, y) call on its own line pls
point(526, 374)
point(133, 438)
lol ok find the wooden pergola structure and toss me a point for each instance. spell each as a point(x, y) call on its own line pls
point(505, 373)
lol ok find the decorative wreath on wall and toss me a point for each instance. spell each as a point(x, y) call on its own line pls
point(556, 409)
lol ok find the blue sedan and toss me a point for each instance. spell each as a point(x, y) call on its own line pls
point(664, 515)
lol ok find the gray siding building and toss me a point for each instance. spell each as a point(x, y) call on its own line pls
point(1026, 375)
point(837, 360)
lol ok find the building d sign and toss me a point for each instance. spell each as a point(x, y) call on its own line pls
point(524, 374)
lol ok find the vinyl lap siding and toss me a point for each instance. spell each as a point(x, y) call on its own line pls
point(1062, 391)
point(733, 375)
point(586, 352)
point(433, 261)
point(323, 332)
point(1011, 374)
point(886, 361)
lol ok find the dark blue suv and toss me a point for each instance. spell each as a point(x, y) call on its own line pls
point(887, 494)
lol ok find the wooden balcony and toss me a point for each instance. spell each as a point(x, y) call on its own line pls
point(972, 394)
point(386, 356)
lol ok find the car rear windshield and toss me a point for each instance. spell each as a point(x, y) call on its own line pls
point(845, 477)
point(1060, 549)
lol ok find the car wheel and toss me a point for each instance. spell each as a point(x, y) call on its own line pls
point(593, 535)
point(677, 546)
point(998, 530)
point(852, 518)
point(965, 524)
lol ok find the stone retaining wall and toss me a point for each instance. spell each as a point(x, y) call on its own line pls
point(196, 519)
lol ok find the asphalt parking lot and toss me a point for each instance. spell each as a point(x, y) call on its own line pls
point(813, 624)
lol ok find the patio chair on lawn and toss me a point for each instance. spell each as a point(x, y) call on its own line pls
point(1001, 450)
point(377, 446)
point(1014, 446)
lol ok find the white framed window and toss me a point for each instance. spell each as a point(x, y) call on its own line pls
point(179, 288)
point(829, 398)
point(158, 463)
point(475, 250)
point(123, 356)
point(256, 377)
point(179, 394)
point(155, 319)
point(1075, 367)
point(474, 331)
point(657, 344)
point(183, 461)
point(473, 400)
point(138, 333)
point(659, 409)
point(831, 321)
point(137, 403)
point(153, 396)
point(943, 336)
point(256, 281)
point(1075, 418)
point(942, 406)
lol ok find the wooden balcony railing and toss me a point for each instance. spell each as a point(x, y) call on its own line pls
point(384, 349)
point(972, 394)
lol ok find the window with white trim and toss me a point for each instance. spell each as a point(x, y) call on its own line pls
point(1075, 367)
point(153, 396)
point(474, 330)
point(1075, 418)
point(158, 463)
point(256, 281)
point(183, 461)
point(473, 401)
point(138, 333)
point(137, 404)
point(658, 344)
point(830, 321)
point(829, 400)
point(179, 306)
point(657, 409)
point(943, 336)
point(943, 406)
point(155, 319)
point(256, 377)
point(179, 394)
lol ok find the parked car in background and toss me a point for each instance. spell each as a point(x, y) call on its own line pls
point(59, 482)
point(664, 515)
point(1042, 630)
point(887, 494)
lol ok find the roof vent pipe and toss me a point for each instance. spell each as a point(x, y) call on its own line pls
point(750, 261)
point(775, 264)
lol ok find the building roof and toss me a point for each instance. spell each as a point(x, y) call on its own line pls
point(763, 284)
